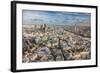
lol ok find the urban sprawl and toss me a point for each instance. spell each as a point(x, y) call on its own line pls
point(43, 43)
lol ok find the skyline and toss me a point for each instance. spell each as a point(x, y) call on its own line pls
point(55, 17)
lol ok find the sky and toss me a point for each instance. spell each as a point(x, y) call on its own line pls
point(55, 17)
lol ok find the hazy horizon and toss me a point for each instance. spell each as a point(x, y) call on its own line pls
point(55, 17)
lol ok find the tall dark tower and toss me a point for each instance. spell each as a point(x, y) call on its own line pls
point(75, 28)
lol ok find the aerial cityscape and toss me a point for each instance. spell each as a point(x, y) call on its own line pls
point(55, 36)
